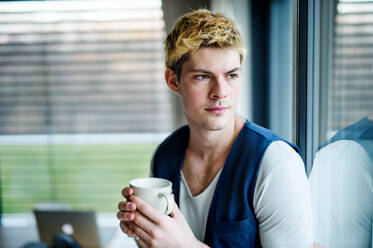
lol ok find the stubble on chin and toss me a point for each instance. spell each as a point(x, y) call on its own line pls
point(218, 125)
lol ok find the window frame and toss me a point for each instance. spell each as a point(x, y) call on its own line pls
point(315, 48)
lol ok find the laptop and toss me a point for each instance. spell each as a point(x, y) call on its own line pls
point(81, 225)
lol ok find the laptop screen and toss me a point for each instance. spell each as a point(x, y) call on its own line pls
point(81, 225)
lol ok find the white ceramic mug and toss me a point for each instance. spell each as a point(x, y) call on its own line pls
point(155, 191)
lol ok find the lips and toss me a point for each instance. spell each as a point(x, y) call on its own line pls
point(217, 110)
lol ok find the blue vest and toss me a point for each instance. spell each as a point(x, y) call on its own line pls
point(231, 221)
point(361, 132)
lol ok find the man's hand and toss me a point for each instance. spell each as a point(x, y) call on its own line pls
point(155, 229)
point(127, 213)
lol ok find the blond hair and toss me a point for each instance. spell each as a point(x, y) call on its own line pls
point(200, 28)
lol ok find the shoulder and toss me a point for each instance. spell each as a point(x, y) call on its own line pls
point(263, 132)
point(282, 202)
point(280, 155)
point(344, 156)
point(175, 139)
point(280, 167)
point(281, 170)
point(170, 150)
point(339, 148)
point(265, 137)
point(343, 153)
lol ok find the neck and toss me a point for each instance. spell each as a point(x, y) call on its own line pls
point(206, 144)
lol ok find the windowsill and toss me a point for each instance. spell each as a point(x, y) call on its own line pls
point(28, 219)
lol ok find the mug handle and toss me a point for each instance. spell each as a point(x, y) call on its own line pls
point(170, 202)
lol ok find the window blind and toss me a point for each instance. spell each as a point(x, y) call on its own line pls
point(82, 67)
point(352, 79)
point(79, 68)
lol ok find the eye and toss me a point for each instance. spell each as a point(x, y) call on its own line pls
point(232, 75)
point(201, 77)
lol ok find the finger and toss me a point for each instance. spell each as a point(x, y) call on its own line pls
point(144, 223)
point(142, 243)
point(127, 192)
point(143, 235)
point(153, 214)
point(125, 216)
point(127, 228)
point(126, 206)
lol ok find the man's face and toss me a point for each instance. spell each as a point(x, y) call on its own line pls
point(210, 82)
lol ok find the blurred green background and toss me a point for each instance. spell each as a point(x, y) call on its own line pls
point(83, 176)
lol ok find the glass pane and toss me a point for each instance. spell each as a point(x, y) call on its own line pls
point(342, 174)
point(83, 103)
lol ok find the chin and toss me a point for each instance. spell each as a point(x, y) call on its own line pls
point(216, 124)
point(214, 127)
point(211, 123)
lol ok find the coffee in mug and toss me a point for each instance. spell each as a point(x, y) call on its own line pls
point(155, 191)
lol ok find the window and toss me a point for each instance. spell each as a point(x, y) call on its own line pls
point(341, 177)
point(82, 100)
point(273, 32)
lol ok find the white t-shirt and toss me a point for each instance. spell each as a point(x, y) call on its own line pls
point(282, 202)
point(342, 195)
point(194, 207)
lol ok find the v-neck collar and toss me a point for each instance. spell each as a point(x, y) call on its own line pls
point(227, 164)
point(183, 180)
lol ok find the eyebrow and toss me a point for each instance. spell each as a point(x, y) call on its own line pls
point(234, 70)
point(209, 72)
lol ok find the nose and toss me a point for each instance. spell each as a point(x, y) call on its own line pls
point(219, 88)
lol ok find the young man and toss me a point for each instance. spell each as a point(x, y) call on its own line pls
point(235, 184)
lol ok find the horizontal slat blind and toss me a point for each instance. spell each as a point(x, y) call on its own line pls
point(79, 69)
point(60, 62)
point(352, 80)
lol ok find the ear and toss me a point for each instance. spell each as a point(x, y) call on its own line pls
point(171, 80)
